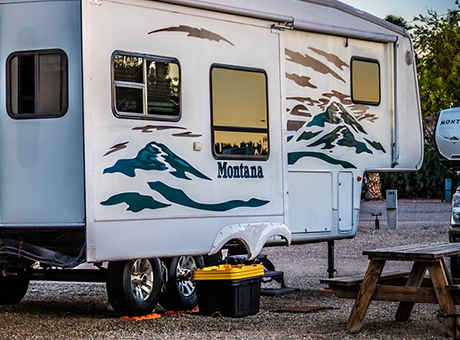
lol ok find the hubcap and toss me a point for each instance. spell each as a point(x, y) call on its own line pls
point(185, 266)
point(142, 279)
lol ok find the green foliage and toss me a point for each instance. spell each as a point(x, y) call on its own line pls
point(428, 182)
point(437, 46)
point(400, 21)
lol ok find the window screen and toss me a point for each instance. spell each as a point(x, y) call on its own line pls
point(365, 81)
point(239, 113)
point(146, 86)
point(37, 84)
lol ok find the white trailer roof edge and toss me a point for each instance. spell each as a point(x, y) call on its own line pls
point(302, 25)
point(293, 22)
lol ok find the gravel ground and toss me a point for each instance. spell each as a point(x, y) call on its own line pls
point(79, 310)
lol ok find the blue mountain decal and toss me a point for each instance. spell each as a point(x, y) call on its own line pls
point(307, 135)
point(342, 136)
point(376, 145)
point(336, 114)
point(156, 156)
point(135, 201)
point(179, 197)
point(334, 129)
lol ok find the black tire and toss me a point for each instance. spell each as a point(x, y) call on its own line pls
point(134, 286)
point(12, 289)
point(180, 290)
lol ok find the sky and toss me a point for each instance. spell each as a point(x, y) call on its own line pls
point(407, 9)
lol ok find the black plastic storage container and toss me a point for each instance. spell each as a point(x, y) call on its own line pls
point(232, 291)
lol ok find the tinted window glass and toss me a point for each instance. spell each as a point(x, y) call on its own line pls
point(37, 84)
point(239, 112)
point(365, 81)
point(146, 87)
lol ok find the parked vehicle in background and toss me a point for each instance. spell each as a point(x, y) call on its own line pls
point(447, 138)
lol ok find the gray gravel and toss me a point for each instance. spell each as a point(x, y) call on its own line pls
point(79, 310)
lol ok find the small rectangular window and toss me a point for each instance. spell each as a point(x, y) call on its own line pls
point(146, 86)
point(37, 84)
point(239, 113)
point(365, 81)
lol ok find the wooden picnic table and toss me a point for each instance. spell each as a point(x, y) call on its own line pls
point(405, 287)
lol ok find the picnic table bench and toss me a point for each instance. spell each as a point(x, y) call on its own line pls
point(405, 287)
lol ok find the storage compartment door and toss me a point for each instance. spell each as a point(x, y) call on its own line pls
point(310, 201)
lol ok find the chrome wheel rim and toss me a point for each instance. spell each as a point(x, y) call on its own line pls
point(185, 267)
point(142, 279)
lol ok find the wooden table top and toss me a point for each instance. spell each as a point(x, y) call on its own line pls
point(413, 252)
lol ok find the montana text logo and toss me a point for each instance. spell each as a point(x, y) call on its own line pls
point(225, 170)
point(450, 121)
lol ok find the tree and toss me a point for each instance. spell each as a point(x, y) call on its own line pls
point(400, 21)
point(437, 45)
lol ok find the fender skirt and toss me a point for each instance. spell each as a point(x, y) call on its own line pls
point(253, 235)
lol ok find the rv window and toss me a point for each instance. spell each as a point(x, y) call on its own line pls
point(37, 84)
point(145, 87)
point(365, 81)
point(239, 113)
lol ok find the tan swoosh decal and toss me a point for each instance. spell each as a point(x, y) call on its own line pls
point(301, 80)
point(194, 32)
point(308, 61)
point(331, 58)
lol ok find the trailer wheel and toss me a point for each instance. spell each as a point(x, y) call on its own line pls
point(12, 289)
point(134, 286)
point(180, 291)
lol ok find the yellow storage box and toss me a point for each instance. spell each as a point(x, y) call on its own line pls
point(229, 290)
point(228, 272)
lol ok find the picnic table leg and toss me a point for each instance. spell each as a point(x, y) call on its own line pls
point(364, 297)
point(445, 301)
point(415, 279)
point(447, 271)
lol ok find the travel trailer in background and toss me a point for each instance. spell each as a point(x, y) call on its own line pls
point(447, 141)
point(140, 135)
point(447, 136)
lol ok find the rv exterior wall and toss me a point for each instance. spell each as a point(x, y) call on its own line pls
point(180, 124)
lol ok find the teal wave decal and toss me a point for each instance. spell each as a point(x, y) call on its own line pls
point(375, 145)
point(156, 156)
point(293, 157)
point(179, 197)
point(135, 201)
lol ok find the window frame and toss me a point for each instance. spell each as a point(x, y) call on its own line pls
point(237, 129)
point(133, 85)
point(366, 102)
point(64, 84)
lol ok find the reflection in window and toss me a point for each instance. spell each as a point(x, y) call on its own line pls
point(146, 86)
point(37, 84)
point(239, 113)
point(365, 81)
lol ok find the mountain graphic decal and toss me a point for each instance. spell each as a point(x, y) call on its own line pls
point(332, 130)
point(156, 156)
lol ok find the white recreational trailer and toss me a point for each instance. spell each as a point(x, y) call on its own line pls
point(140, 130)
